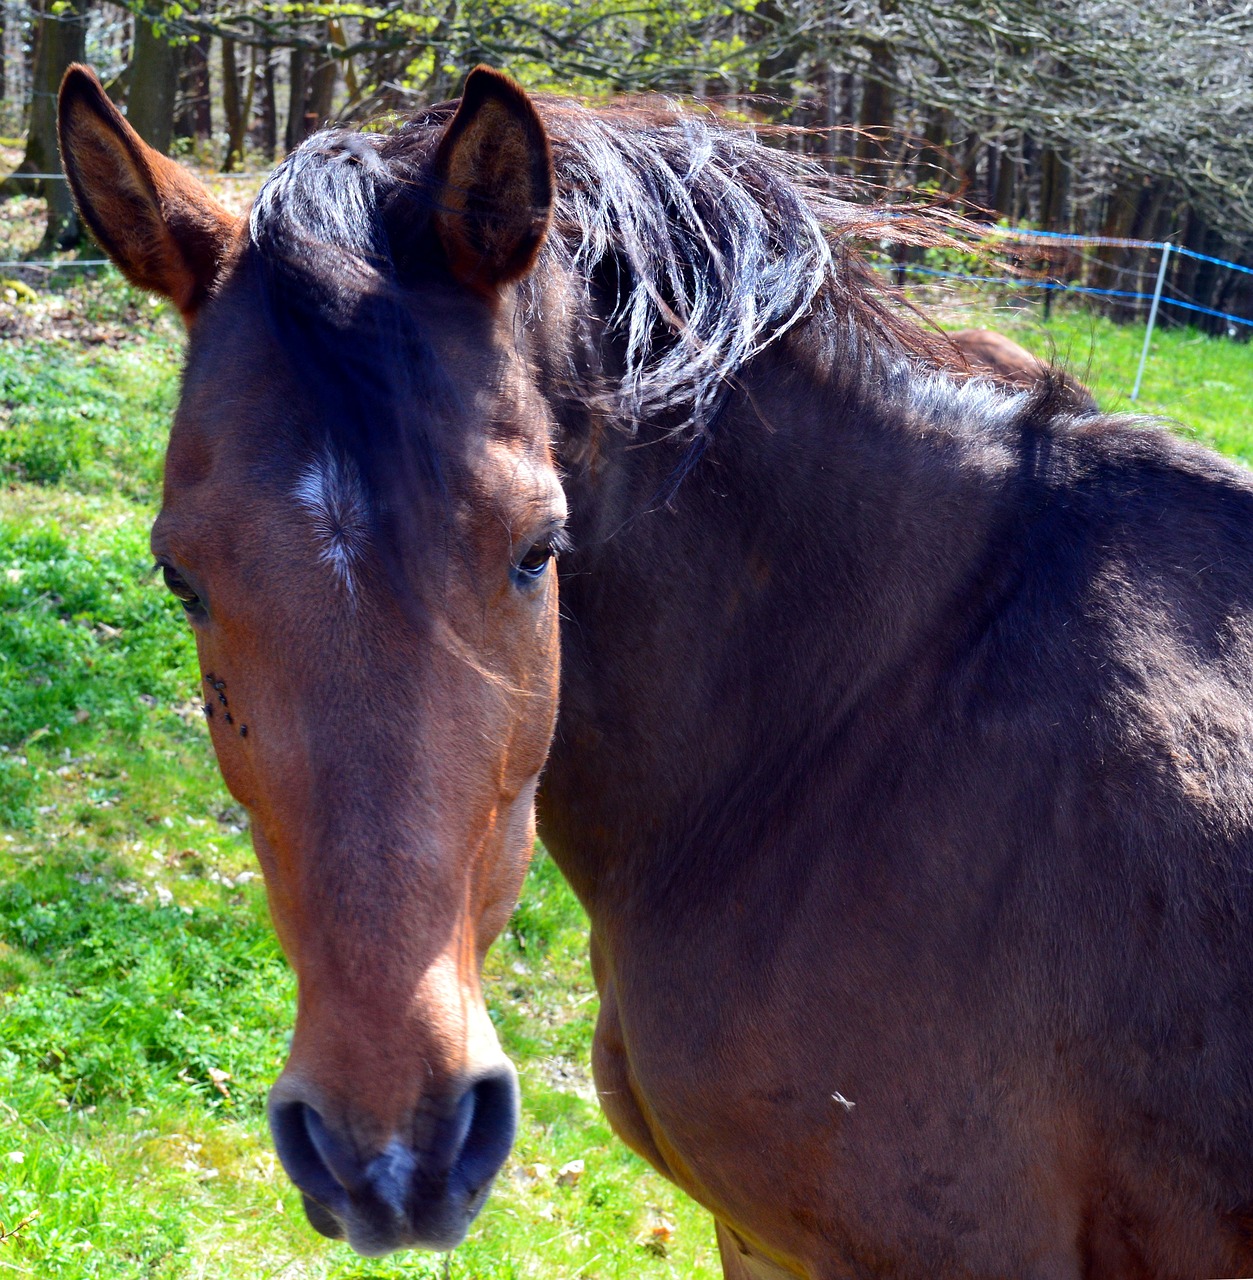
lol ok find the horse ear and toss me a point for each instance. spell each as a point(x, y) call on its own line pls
point(494, 175)
point(149, 214)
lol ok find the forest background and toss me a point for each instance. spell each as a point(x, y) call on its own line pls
point(1094, 117)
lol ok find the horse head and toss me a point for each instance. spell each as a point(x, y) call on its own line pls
point(359, 518)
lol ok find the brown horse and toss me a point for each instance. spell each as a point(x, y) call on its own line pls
point(905, 752)
point(994, 355)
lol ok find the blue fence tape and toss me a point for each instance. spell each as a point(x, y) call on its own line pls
point(50, 265)
point(1014, 233)
point(1060, 287)
point(1011, 280)
point(1207, 311)
point(1204, 257)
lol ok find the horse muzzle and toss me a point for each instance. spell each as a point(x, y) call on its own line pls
point(423, 1189)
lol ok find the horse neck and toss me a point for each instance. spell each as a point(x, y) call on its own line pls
point(718, 634)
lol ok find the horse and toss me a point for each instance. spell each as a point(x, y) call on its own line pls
point(894, 729)
point(992, 354)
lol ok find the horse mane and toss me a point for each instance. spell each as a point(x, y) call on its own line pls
point(719, 246)
point(712, 245)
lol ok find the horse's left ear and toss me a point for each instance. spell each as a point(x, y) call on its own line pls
point(149, 214)
point(494, 175)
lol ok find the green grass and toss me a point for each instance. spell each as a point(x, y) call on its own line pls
point(144, 1003)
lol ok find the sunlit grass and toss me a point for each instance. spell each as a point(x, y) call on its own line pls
point(1204, 385)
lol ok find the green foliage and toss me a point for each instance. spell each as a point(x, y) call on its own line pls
point(85, 417)
point(147, 1000)
point(80, 620)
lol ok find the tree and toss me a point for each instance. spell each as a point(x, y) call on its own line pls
point(61, 38)
point(153, 85)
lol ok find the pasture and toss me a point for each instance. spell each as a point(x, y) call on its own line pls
point(144, 1003)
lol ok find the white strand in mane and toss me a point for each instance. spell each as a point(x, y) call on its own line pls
point(724, 254)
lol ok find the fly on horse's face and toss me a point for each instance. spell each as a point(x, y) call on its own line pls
point(375, 612)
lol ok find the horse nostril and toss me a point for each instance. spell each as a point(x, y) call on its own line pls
point(487, 1117)
point(303, 1145)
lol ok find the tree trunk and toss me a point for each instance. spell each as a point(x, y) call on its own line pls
point(298, 66)
point(237, 106)
point(776, 71)
point(848, 113)
point(831, 104)
point(312, 95)
point(1119, 222)
point(1205, 282)
point(1183, 268)
point(878, 100)
point(230, 105)
point(267, 135)
point(61, 38)
point(194, 118)
point(1146, 226)
point(1003, 188)
point(1053, 185)
point(968, 166)
point(1026, 162)
point(335, 32)
point(153, 86)
point(935, 164)
point(877, 106)
point(322, 91)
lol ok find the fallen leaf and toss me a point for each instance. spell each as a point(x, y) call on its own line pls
point(656, 1236)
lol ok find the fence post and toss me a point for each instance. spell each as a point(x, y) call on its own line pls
point(1148, 333)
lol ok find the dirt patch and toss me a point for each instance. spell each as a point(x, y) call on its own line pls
point(85, 312)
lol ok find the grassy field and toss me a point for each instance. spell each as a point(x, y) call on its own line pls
point(144, 1004)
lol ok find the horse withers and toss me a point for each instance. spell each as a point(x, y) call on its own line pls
point(904, 761)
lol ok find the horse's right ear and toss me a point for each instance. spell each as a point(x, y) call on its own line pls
point(494, 172)
point(149, 214)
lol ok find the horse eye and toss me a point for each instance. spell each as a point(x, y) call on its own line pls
point(532, 565)
point(179, 588)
